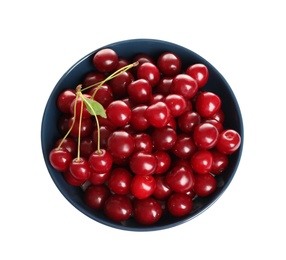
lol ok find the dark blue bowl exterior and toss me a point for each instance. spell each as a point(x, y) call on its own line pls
point(128, 49)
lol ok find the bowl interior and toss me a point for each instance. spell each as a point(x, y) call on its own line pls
point(128, 49)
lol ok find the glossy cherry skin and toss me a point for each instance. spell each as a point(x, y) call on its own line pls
point(71, 180)
point(179, 204)
point(143, 163)
point(69, 144)
point(92, 78)
point(164, 138)
point(75, 107)
point(202, 161)
point(120, 144)
point(104, 95)
point(143, 142)
point(105, 132)
point(199, 72)
point(105, 60)
point(138, 120)
point(140, 91)
point(119, 181)
point(162, 191)
point(118, 113)
point(169, 64)
point(184, 85)
point(228, 142)
point(97, 178)
point(142, 186)
point(120, 84)
point(79, 169)
point(60, 159)
point(149, 72)
point(118, 207)
point(86, 128)
point(207, 104)
point(176, 103)
point(100, 161)
point(180, 179)
point(184, 146)
point(163, 162)
point(188, 121)
point(205, 135)
point(164, 85)
point(147, 211)
point(65, 99)
point(158, 114)
point(205, 184)
point(96, 195)
point(220, 162)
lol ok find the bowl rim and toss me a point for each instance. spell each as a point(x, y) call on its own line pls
point(180, 221)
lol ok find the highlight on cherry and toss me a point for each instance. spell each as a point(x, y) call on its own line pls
point(141, 137)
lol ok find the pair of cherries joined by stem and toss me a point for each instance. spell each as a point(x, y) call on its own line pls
point(144, 136)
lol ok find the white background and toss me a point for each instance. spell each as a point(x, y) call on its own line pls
point(244, 40)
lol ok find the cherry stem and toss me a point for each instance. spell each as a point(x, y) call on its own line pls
point(111, 76)
point(68, 132)
point(79, 127)
point(96, 120)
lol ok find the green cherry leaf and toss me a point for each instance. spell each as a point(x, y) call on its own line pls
point(94, 107)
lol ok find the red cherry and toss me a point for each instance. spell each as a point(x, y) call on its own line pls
point(140, 91)
point(164, 138)
point(149, 72)
point(78, 103)
point(120, 84)
point(220, 162)
point(69, 144)
point(86, 127)
point(118, 113)
point(138, 120)
point(188, 120)
point(205, 184)
point(184, 146)
point(92, 78)
point(79, 169)
point(180, 179)
point(184, 85)
point(176, 103)
point(228, 141)
point(162, 191)
point(105, 60)
point(207, 104)
point(142, 186)
point(199, 72)
point(179, 204)
point(97, 178)
point(65, 99)
point(100, 161)
point(202, 161)
point(119, 181)
point(143, 142)
point(205, 135)
point(158, 114)
point(143, 163)
point(96, 195)
point(169, 64)
point(118, 207)
point(163, 161)
point(120, 144)
point(147, 211)
point(103, 95)
point(60, 159)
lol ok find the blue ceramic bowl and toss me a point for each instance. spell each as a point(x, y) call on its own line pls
point(128, 49)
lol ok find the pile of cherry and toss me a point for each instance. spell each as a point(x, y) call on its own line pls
point(154, 142)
